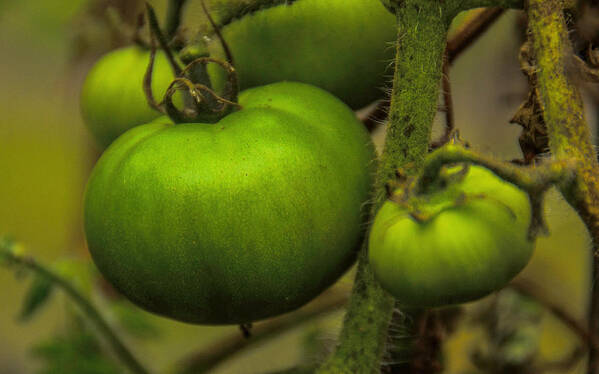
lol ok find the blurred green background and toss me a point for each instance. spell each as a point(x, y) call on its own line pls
point(46, 155)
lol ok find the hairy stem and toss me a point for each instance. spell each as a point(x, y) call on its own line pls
point(569, 136)
point(119, 348)
point(422, 29)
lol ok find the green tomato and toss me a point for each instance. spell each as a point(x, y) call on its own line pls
point(342, 46)
point(236, 221)
point(112, 98)
point(473, 242)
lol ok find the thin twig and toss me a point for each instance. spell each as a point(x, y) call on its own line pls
point(470, 31)
point(531, 290)
point(447, 107)
point(155, 29)
point(173, 17)
point(216, 29)
point(569, 135)
point(147, 81)
point(121, 351)
point(218, 352)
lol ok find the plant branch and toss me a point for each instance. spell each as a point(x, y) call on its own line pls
point(219, 35)
point(530, 179)
point(122, 352)
point(534, 180)
point(470, 31)
point(569, 135)
point(421, 43)
point(563, 315)
point(457, 42)
point(220, 351)
point(447, 107)
point(230, 10)
point(162, 41)
point(461, 5)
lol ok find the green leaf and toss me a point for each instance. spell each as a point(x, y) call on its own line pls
point(134, 320)
point(75, 353)
point(38, 294)
point(8, 250)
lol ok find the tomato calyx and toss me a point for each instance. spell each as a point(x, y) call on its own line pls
point(534, 180)
point(201, 103)
point(442, 194)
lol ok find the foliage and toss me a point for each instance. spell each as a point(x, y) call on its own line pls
point(75, 352)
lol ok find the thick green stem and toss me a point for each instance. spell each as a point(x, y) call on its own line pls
point(418, 67)
point(120, 349)
point(569, 136)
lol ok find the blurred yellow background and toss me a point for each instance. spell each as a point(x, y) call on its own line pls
point(46, 155)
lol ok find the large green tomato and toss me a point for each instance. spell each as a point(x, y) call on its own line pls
point(112, 98)
point(342, 46)
point(235, 221)
point(473, 242)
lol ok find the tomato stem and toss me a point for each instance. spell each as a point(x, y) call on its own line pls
point(162, 40)
point(10, 257)
point(422, 28)
point(173, 17)
point(567, 130)
point(533, 180)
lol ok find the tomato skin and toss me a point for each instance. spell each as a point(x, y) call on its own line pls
point(237, 221)
point(465, 252)
point(342, 46)
point(112, 98)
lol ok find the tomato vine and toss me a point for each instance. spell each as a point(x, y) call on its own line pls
point(421, 50)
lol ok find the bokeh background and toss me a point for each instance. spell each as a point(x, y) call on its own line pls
point(46, 155)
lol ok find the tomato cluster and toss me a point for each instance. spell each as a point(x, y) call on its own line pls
point(256, 214)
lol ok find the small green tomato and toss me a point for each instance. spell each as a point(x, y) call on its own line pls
point(112, 98)
point(461, 240)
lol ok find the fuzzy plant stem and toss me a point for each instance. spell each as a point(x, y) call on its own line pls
point(569, 135)
point(422, 29)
